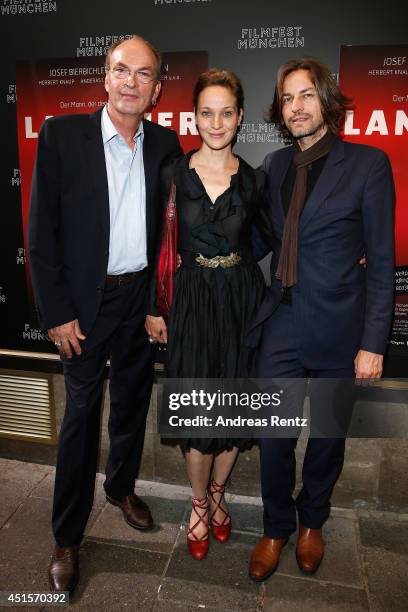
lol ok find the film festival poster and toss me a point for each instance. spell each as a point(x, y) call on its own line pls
point(76, 85)
point(375, 77)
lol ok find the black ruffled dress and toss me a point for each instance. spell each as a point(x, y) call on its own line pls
point(212, 307)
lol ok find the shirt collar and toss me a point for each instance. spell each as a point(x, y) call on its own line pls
point(109, 130)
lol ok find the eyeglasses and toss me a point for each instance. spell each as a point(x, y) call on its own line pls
point(123, 74)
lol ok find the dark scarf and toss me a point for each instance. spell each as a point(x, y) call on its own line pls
point(287, 265)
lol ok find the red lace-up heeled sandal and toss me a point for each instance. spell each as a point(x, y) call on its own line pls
point(198, 546)
point(220, 530)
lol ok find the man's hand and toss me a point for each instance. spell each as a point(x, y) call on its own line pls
point(66, 337)
point(368, 365)
point(156, 329)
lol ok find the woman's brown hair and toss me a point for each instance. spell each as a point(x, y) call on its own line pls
point(224, 78)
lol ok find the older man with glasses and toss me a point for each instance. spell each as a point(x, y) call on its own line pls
point(94, 223)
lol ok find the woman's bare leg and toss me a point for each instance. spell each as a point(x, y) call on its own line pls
point(198, 469)
point(223, 464)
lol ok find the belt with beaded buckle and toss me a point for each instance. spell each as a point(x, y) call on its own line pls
point(220, 261)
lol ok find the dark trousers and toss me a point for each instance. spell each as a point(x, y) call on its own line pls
point(278, 357)
point(118, 334)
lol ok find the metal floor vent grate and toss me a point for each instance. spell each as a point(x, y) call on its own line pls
point(26, 408)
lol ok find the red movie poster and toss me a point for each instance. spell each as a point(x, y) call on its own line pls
point(375, 77)
point(59, 86)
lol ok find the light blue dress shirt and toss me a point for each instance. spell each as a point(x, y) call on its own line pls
point(127, 199)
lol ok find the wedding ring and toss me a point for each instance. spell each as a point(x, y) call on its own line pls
point(57, 343)
point(152, 340)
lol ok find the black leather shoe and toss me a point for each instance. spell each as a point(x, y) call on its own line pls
point(63, 571)
point(135, 511)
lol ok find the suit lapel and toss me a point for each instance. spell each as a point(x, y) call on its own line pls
point(97, 169)
point(149, 154)
point(277, 212)
point(332, 172)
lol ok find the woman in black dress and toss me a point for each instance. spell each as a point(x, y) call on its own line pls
point(218, 287)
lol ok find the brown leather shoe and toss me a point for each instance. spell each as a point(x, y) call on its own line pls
point(63, 571)
point(135, 511)
point(265, 558)
point(309, 549)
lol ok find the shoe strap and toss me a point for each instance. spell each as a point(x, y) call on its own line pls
point(218, 488)
point(202, 504)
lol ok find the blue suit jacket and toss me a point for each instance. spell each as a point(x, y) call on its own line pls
point(339, 306)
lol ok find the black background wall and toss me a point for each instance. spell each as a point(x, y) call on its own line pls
point(251, 37)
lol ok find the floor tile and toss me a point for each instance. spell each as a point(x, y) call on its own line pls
point(25, 547)
point(285, 594)
point(220, 580)
point(110, 526)
point(117, 578)
point(341, 562)
point(390, 535)
point(387, 580)
point(393, 485)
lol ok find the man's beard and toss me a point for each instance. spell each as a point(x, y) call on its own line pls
point(312, 132)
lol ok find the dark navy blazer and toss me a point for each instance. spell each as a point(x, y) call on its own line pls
point(69, 221)
point(339, 306)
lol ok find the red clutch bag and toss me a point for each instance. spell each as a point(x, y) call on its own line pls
point(167, 264)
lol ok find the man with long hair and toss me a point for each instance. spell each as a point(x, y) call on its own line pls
point(325, 316)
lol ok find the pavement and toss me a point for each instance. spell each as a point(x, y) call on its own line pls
point(365, 565)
